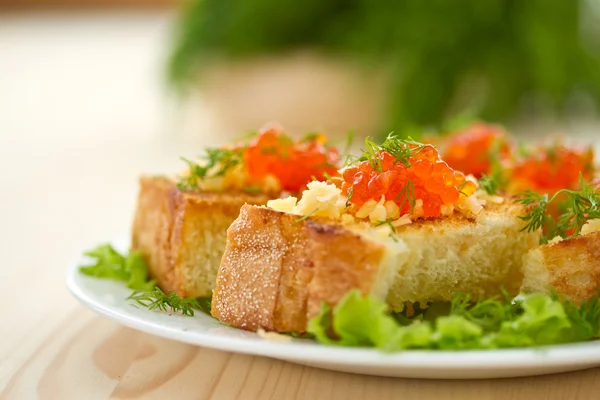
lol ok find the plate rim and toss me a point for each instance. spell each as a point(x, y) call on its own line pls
point(563, 355)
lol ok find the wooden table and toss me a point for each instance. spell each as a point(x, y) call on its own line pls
point(81, 115)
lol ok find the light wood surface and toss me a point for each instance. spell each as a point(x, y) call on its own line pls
point(81, 115)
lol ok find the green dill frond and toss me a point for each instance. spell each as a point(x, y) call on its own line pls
point(407, 194)
point(497, 170)
point(489, 184)
point(190, 181)
point(167, 302)
point(217, 162)
point(350, 159)
point(582, 206)
point(392, 228)
point(536, 218)
point(371, 154)
point(461, 187)
point(387, 222)
point(349, 195)
point(401, 149)
point(306, 216)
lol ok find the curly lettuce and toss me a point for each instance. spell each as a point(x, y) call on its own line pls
point(109, 263)
point(500, 322)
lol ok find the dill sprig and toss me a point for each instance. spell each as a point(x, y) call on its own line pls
point(537, 218)
point(217, 162)
point(167, 302)
point(496, 180)
point(350, 159)
point(349, 195)
point(489, 184)
point(407, 194)
point(582, 206)
point(306, 216)
point(401, 149)
point(389, 222)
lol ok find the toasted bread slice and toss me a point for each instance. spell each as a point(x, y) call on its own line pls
point(182, 234)
point(279, 268)
point(276, 267)
point(570, 267)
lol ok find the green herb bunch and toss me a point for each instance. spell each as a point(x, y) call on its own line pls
point(215, 163)
point(500, 51)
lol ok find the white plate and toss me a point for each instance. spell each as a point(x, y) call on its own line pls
point(107, 298)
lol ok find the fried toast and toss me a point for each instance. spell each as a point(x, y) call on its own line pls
point(182, 233)
point(279, 267)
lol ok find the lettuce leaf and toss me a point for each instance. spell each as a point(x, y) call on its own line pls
point(137, 269)
point(110, 264)
point(357, 321)
point(534, 319)
point(364, 321)
point(454, 332)
point(414, 336)
point(585, 319)
point(543, 321)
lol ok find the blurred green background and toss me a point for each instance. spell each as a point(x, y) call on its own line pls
point(494, 59)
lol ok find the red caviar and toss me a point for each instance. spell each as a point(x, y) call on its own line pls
point(471, 149)
point(426, 178)
point(294, 164)
point(553, 168)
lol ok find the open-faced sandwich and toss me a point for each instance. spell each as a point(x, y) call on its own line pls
point(400, 229)
point(480, 244)
point(181, 221)
point(399, 225)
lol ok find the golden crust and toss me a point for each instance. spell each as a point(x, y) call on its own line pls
point(277, 269)
point(342, 260)
point(152, 226)
point(182, 234)
point(570, 267)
